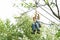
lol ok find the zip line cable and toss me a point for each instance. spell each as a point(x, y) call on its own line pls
point(48, 18)
point(42, 14)
point(38, 5)
point(48, 13)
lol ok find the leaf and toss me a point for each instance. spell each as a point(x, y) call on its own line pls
point(46, 1)
point(58, 34)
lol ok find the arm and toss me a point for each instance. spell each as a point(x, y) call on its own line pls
point(38, 16)
point(34, 19)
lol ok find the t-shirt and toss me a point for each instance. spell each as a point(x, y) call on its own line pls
point(36, 17)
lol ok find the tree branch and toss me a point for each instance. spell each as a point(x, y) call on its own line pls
point(53, 11)
point(57, 7)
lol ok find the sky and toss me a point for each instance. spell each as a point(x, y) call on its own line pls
point(8, 11)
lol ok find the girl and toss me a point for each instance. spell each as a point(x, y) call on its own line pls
point(36, 24)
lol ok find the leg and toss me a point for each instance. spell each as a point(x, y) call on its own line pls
point(39, 23)
point(38, 29)
point(33, 28)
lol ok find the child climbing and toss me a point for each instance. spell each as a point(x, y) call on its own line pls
point(36, 25)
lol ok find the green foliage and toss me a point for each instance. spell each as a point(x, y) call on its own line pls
point(46, 1)
point(9, 31)
point(28, 5)
point(22, 30)
point(58, 33)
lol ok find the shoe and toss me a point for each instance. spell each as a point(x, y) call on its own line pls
point(38, 32)
point(33, 32)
